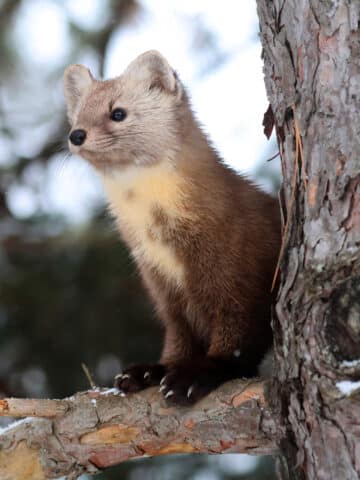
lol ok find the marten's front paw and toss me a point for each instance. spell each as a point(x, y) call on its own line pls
point(185, 384)
point(139, 377)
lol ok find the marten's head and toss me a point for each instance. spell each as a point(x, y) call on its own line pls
point(134, 119)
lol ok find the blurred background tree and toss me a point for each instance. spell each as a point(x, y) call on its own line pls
point(69, 292)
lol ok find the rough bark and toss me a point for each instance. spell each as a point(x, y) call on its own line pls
point(96, 429)
point(311, 52)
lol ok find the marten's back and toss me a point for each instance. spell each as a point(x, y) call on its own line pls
point(226, 241)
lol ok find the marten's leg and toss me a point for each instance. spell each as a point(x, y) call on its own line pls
point(179, 347)
point(228, 357)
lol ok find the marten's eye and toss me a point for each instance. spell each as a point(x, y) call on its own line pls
point(118, 115)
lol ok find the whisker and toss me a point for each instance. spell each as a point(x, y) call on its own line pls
point(137, 132)
point(60, 166)
point(106, 142)
point(104, 145)
point(61, 147)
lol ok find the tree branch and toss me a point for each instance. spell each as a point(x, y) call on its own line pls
point(34, 407)
point(99, 428)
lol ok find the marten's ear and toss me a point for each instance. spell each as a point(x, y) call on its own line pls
point(77, 79)
point(153, 69)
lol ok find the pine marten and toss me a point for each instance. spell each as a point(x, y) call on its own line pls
point(205, 239)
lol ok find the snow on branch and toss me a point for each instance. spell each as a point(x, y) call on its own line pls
point(96, 429)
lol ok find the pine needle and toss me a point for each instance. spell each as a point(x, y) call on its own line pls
point(88, 375)
point(298, 156)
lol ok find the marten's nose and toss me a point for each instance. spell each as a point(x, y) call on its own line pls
point(77, 137)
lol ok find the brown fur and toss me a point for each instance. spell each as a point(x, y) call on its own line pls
point(205, 239)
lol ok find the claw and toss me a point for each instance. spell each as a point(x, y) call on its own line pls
point(146, 375)
point(122, 376)
point(162, 381)
point(170, 393)
point(190, 391)
point(162, 388)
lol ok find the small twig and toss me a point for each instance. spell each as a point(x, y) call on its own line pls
point(88, 375)
point(273, 157)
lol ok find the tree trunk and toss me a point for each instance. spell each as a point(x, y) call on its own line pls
point(311, 52)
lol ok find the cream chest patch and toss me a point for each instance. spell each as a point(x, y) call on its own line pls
point(133, 194)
